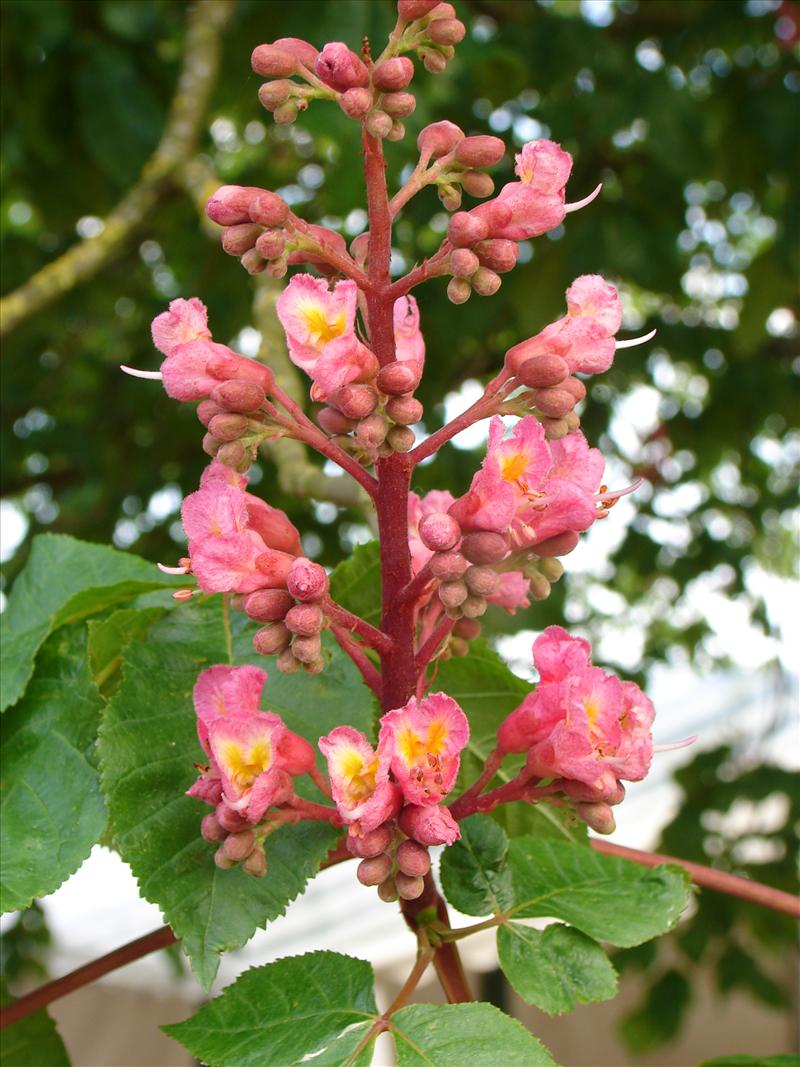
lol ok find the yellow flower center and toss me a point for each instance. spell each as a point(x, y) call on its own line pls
point(321, 330)
point(512, 466)
point(359, 776)
point(416, 749)
point(243, 766)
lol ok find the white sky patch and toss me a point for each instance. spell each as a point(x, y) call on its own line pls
point(13, 528)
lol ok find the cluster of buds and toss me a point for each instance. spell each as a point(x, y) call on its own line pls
point(391, 797)
point(452, 161)
point(295, 618)
point(433, 32)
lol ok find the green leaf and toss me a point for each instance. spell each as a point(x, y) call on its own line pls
point(33, 1041)
point(608, 898)
point(148, 746)
point(279, 1014)
point(63, 580)
point(452, 1035)
point(556, 968)
point(753, 1061)
point(356, 583)
point(51, 812)
point(475, 876)
point(109, 637)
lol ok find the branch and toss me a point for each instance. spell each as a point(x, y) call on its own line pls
point(345, 619)
point(204, 24)
point(431, 646)
point(429, 268)
point(446, 959)
point(369, 672)
point(483, 408)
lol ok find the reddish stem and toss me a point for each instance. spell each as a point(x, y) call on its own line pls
point(429, 268)
point(431, 646)
point(368, 671)
point(340, 260)
point(307, 809)
point(346, 620)
point(418, 583)
point(487, 405)
point(448, 964)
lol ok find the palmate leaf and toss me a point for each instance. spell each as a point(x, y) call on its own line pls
point(148, 747)
point(110, 636)
point(64, 580)
point(51, 808)
point(475, 874)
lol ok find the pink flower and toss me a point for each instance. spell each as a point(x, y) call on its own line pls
point(408, 339)
point(312, 316)
point(523, 460)
point(430, 824)
point(512, 593)
point(488, 504)
point(226, 692)
point(186, 320)
point(218, 472)
point(537, 200)
point(359, 776)
point(184, 370)
point(425, 739)
point(245, 751)
point(557, 654)
point(340, 68)
point(591, 297)
point(343, 361)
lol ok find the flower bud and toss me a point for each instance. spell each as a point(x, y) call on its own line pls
point(378, 124)
point(304, 619)
point(446, 31)
point(474, 606)
point(480, 151)
point(430, 824)
point(227, 426)
point(304, 53)
point(554, 402)
point(355, 401)
point(397, 132)
point(238, 396)
point(316, 666)
point(457, 646)
point(448, 566)
point(438, 139)
point(559, 545)
point(211, 828)
point(237, 847)
point(485, 282)
point(207, 409)
point(396, 379)
point(333, 421)
point(482, 581)
point(408, 888)
point(372, 843)
point(463, 263)
point(399, 105)
point(268, 209)
point(466, 229)
point(230, 204)
point(494, 213)
point(551, 568)
point(287, 663)
point(387, 891)
point(273, 95)
point(573, 421)
point(210, 444)
point(393, 74)
point(253, 262)
point(477, 184)
point(238, 239)
point(229, 819)
point(539, 587)
point(271, 640)
point(542, 371)
point(307, 581)
point(222, 860)
point(271, 244)
point(415, 9)
point(288, 112)
point(574, 386)
point(599, 817)
point(340, 68)
point(296, 754)
point(439, 531)
point(374, 870)
point(450, 196)
point(453, 594)
point(404, 410)
point(359, 248)
point(356, 102)
point(459, 290)
point(498, 254)
point(272, 62)
point(413, 859)
point(371, 431)
point(267, 605)
point(256, 863)
point(306, 649)
point(484, 547)
point(401, 439)
point(469, 629)
point(555, 429)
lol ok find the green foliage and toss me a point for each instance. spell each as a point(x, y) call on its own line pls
point(52, 811)
point(356, 582)
point(475, 875)
point(283, 1012)
point(753, 1061)
point(110, 636)
point(33, 1040)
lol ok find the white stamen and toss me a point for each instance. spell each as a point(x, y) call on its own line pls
point(636, 340)
point(615, 494)
point(184, 594)
point(582, 203)
point(172, 570)
point(676, 744)
point(134, 373)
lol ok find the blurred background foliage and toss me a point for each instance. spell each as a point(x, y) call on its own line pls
point(687, 112)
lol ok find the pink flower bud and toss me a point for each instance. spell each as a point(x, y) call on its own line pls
point(555, 429)
point(574, 386)
point(398, 378)
point(408, 887)
point(267, 605)
point(401, 439)
point(485, 282)
point(359, 248)
point(466, 229)
point(303, 52)
point(447, 566)
point(378, 124)
point(399, 105)
point(430, 824)
point(447, 31)
point(560, 545)
point(438, 139)
point(473, 607)
point(498, 254)
point(432, 60)
point(459, 290)
point(230, 204)
point(253, 262)
point(304, 619)
point(268, 209)
point(295, 754)
point(211, 828)
point(397, 132)
point(387, 891)
point(272, 62)
point(463, 263)
point(484, 547)
point(539, 587)
point(356, 102)
point(453, 594)
point(227, 426)
point(573, 421)
point(340, 68)
point(287, 663)
point(404, 410)
point(229, 819)
point(206, 410)
point(306, 649)
point(477, 184)
point(481, 151)
point(443, 11)
point(271, 640)
point(599, 817)
point(288, 111)
point(450, 196)
point(273, 94)
point(237, 847)
point(413, 859)
point(256, 863)
point(238, 239)
point(210, 445)
point(372, 843)
point(415, 9)
point(439, 531)
point(238, 396)
point(494, 213)
point(553, 402)
point(355, 401)
point(542, 371)
point(482, 581)
point(271, 244)
point(371, 431)
point(333, 421)
point(375, 870)
point(222, 861)
point(469, 629)
point(307, 581)
point(393, 74)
